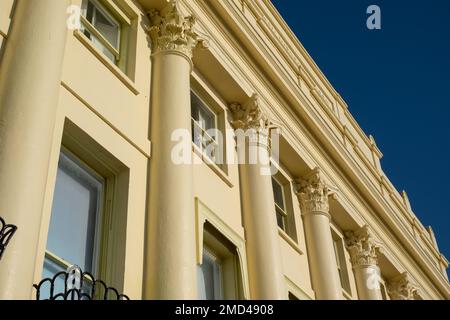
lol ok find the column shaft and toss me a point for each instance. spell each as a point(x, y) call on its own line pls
point(171, 238)
point(263, 249)
point(367, 282)
point(266, 276)
point(322, 258)
point(170, 271)
point(30, 78)
point(313, 196)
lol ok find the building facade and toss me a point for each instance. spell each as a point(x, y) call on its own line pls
point(97, 99)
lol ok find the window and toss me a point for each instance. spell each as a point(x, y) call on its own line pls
point(284, 210)
point(101, 28)
point(75, 225)
point(339, 250)
point(210, 277)
point(292, 297)
point(204, 126)
point(280, 203)
point(219, 271)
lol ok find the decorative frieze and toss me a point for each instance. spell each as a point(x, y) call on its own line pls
point(363, 248)
point(403, 288)
point(313, 193)
point(171, 31)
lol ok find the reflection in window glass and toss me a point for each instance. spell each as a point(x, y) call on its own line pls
point(280, 209)
point(74, 226)
point(204, 124)
point(210, 278)
point(103, 23)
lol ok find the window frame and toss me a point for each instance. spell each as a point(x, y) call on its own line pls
point(219, 293)
point(340, 253)
point(100, 230)
point(280, 211)
point(290, 233)
point(196, 124)
point(230, 247)
point(86, 24)
point(217, 245)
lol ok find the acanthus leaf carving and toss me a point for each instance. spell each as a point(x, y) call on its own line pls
point(250, 115)
point(313, 193)
point(363, 248)
point(403, 288)
point(170, 30)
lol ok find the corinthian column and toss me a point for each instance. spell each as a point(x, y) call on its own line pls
point(170, 248)
point(30, 76)
point(402, 287)
point(263, 249)
point(363, 251)
point(313, 196)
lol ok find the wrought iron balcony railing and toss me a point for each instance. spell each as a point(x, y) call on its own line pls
point(74, 284)
point(6, 233)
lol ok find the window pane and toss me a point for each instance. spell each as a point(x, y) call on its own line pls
point(51, 269)
point(105, 25)
point(107, 28)
point(280, 221)
point(278, 194)
point(76, 204)
point(90, 12)
point(337, 253)
point(99, 45)
point(209, 279)
point(201, 113)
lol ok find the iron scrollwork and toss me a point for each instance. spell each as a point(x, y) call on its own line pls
point(6, 233)
point(78, 285)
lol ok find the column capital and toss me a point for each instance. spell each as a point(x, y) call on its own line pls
point(251, 118)
point(362, 246)
point(171, 31)
point(250, 115)
point(402, 287)
point(313, 193)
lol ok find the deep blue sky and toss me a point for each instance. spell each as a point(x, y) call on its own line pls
point(396, 83)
